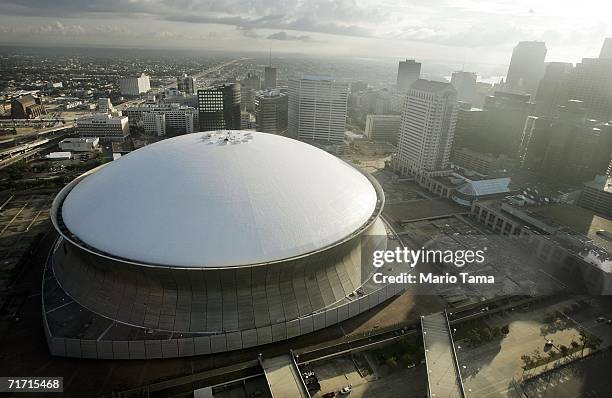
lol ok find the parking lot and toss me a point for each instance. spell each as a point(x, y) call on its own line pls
point(585, 378)
point(492, 369)
point(22, 218)
point(339, 372)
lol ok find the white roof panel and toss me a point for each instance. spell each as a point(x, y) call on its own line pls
point(200, 201)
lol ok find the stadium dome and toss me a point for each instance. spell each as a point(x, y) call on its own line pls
point(210, 242)
point(219, 199)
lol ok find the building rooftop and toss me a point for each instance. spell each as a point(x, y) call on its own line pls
point(219, 199)
point(601, 183)
point(577, 219)
point(80, 139)
point(485, 187)
point(431, 85)
point(318, 77)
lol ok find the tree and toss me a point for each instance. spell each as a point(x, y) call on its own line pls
point(496, 331)
point(505, 329)
point(486, 334)
point(588, 341)
point(474, 337)
point(527, 362)
point(564, 350)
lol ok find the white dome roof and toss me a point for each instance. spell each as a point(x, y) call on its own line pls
point(199, 201)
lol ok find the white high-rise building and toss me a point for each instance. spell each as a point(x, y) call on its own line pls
point(134, 86)
point(317, 109)
point(427, 128)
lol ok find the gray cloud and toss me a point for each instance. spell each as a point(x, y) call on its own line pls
point(285, 36)
point(305, 24)
point(463, 24)
point(339, 17)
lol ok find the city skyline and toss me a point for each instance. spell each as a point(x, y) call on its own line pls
point(296, 200)
point(464, 32)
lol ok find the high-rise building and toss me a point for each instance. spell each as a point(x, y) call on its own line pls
point(134, 86)
point(219, 107)
point(106, 127)
point(606, 49)
point(248, 86)
point(526, 67)
point(469, 128)
point(186, 84)
point(269, 77)
point(317, 109)
point(271, 112)
point(505, 115)
point(497, 128)
point(465, 84)
point(591, 82)
point(383, 128)
point(552, 90)
point(408, 72)
point(427, 127)
point(569, 148)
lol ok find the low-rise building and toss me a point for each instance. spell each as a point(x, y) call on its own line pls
point(564, 236)
point(483, 163)
point(27, 107)
point(178, 119)
point(76, 144)
point(105, 105)
point(247, 120)
point(154, 123)
point(464, 186)
point(383, 128)
point(597, 195)
point(106, 127)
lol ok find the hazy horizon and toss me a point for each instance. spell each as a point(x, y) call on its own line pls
point(463, 32)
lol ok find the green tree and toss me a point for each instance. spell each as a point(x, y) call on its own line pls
point(486, 334)
point(474, 337)
point(496, 331)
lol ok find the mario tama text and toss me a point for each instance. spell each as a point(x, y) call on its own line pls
point(409, 257)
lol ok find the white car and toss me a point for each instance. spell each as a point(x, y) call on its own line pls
point(346, 389)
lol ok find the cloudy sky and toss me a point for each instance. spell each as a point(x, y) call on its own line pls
point(473, 31)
